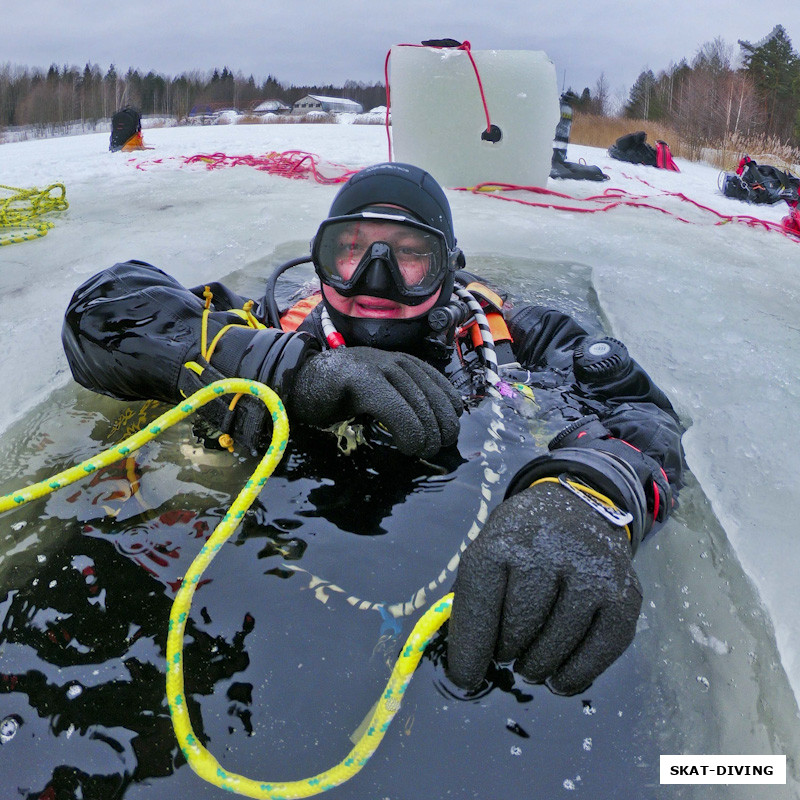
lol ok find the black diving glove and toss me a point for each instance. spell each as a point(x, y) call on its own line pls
point(411, 399)
point(549, 584)
point(269, 356)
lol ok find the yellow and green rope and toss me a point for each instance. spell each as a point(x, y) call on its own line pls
point(200, 759)
point(22, 210)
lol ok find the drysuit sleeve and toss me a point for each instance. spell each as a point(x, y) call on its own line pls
point(626, 416)
point(610, 383)
point(130, 332)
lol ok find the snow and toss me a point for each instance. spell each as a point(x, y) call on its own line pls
point(712, 311)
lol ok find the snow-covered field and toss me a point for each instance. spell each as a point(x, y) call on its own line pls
point(712, 311)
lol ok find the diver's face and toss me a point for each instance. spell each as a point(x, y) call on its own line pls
point(412, 252)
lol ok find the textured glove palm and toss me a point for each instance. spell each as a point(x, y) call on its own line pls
point(410, 398)
point(547, 583)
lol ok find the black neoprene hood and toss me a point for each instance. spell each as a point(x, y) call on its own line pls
point(415, 191)
point(398, 184)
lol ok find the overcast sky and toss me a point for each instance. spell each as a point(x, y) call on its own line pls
point(330, 41)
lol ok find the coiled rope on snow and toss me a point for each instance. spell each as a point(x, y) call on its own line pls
point(22, 210)
point(288, 164)
point(200, 759)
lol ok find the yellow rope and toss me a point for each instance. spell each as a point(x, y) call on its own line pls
point(207, 350)
point(582, 487)
point(23, 207)
point(200, 759)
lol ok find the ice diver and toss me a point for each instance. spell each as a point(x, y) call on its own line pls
point(548, 584)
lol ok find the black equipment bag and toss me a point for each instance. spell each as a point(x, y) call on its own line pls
point(125, 123)
point(761, 183)
point(633, 148)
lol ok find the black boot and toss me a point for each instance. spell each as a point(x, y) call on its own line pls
point(559, 166)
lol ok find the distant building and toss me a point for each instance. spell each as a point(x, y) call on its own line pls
point(210, 112)
point(328, 105)
point(272, 107)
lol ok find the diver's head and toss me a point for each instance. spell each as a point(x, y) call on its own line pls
point(386, 256)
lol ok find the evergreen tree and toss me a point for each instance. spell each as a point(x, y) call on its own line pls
point(111, 92)
point(132, 93)
point(271, 89)
point(774, 68)
point(642, 103)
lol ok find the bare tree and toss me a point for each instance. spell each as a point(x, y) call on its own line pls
point(743, 108)
point(715, 103)
point(600, 98)
point(714, 57)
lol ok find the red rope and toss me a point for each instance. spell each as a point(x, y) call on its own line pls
point(783, 227)
point(298, 164)
point(463, 46)
point(388, 101)
point(613, 198)
point(791, 222)
point(466, 46)
point(289, 164)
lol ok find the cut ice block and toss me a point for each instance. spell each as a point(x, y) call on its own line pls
point(438, 118)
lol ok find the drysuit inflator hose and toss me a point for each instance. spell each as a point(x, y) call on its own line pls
point(200, 759)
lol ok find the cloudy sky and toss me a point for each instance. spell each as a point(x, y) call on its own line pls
point(330, 41)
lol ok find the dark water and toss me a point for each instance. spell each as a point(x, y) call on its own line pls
point(282, 664)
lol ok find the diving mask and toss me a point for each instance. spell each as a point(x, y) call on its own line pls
point(382, 254)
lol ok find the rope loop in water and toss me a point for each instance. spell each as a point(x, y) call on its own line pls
point(198, 757)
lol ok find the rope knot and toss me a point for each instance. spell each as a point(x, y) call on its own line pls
point(226, 442)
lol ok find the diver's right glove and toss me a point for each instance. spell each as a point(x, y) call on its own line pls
point(548, 584)
point(411, 399)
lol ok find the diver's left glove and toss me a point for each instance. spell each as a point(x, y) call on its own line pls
point(590, 434)
point(549, 584)
point(409, 397)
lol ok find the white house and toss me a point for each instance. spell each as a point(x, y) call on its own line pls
point(272, 107)
point(329, 105)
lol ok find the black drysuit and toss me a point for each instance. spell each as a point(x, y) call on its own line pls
point(129, 331)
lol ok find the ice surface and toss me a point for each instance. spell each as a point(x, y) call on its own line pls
point(712, 311)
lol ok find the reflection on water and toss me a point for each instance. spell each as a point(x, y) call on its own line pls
point(281, 663)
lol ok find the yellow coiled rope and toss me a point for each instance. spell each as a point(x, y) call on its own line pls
point(23, 208)
point(200, 760)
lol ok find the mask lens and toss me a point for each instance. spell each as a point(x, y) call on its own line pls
point(415, 254)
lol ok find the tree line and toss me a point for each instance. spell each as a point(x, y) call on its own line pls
point(706, 100)
point(718, 96)
point(62, 95)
